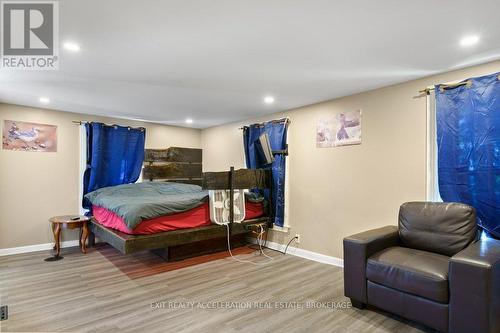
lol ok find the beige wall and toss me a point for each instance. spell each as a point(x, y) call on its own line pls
point(35, 186)
point(335, 192)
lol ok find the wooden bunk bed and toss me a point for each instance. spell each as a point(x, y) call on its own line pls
point(185, 165)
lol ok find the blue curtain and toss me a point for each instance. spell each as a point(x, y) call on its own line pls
point(114, 156)
point(468, 137)
point(277, 132)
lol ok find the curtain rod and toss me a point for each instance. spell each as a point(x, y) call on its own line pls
point(81, 122)
point(286, 120)
point(426, 91)
point(445, 86)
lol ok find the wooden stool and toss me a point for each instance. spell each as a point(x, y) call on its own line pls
point(68, 222)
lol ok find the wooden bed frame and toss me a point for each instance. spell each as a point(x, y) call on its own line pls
point(185, 165)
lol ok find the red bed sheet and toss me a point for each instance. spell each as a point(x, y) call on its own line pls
point(192, 218)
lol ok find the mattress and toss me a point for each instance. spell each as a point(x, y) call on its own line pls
point(195, 217)
point(138, 202)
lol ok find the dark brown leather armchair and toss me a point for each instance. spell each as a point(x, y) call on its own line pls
point(431, 269)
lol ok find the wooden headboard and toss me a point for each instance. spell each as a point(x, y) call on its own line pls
point(174, 164)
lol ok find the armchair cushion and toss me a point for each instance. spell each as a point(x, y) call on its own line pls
point(420, 273)
point(444, 228)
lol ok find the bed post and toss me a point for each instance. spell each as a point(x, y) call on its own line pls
point(231, 198)
point(270, 187)
point(91, 238)
point(163, 253)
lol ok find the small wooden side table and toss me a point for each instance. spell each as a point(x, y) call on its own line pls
point(68, 222)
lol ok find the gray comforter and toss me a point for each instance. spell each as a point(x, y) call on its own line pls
point(142, 201)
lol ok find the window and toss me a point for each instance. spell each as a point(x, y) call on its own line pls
point(432, 185)
point(82, 165)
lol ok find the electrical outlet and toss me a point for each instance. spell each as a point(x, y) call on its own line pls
point(4, 312)
point(298, 238)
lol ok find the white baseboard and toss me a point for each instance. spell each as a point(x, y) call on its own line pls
point(36, 247)
point(294, 251)
point(298, 252)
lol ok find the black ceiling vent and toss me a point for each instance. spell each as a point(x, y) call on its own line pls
point(4, 312)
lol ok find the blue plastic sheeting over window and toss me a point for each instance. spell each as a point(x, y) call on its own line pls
point(114, 156)
point(468, 139)
point(277, 132)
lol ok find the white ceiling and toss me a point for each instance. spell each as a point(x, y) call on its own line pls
point(214, 61)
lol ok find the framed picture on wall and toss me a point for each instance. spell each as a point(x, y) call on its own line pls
point(24, 136)
point(348, 128)
point(325, 132)
point(341, 129)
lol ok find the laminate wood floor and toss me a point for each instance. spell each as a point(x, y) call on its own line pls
point(97, 293)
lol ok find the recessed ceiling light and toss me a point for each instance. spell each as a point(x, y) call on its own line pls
point(73, 47)
point(469, 40)
point(189, 121)
point(269, 99)
point(44, 100)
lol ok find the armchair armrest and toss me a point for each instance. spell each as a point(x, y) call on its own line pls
point(357, 249)
point(474, 278)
